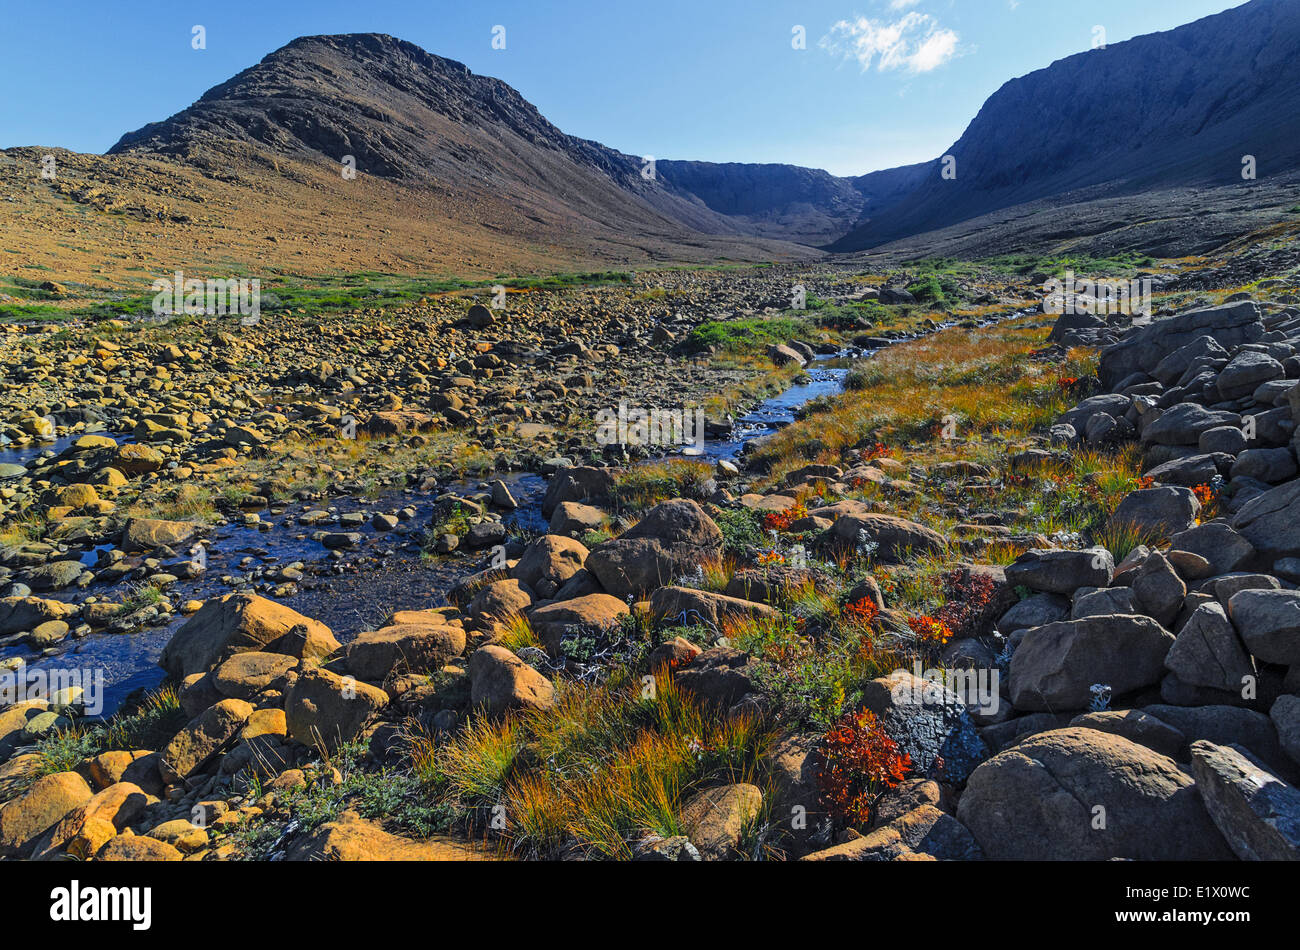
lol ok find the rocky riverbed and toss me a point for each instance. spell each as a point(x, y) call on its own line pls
point(945, 603)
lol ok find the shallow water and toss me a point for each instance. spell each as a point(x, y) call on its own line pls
point(356, 592)
point(384, 574)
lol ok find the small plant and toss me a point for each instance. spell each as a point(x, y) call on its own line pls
point(931, 631)
point(858, 763)
point(968, 601)
point(781, 520)
point(1120, 538)
point(861, 613)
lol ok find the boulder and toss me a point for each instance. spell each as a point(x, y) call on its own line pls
point(1271, 466)
point(202, 738)
point(1271, 521)
point(324, 710)
point(930, 723)
point(1136, 726)
point(591, 613)
point(146, 534)
point(27, 613)
point(793, 761)
point(1223, 547)
point(1101, 603)
point(923, 832)
point(29, 816)
point(1227, 725)
point(238, 623)
point(1256, 812)
point(580, 483)
point(500, 601)
point(1034, 611)
point(1245, 373)
point(1184, 424)
point(1269, 622)
point(404, 647)
point(669, 542)
point(716, 819)
point(1230, 325)
point(717, 677)
point(1158, 590)
point(1285, 715)
point(1208, 652)
point(897, 538)
point(1054, 666)
point(575, 518)
point(500, 681)
point(1061, 572)
point(1082, 795)
point(138, 848)
point(548, 562)
point(245, 675)
point(686, 606)
point(1162, 511)
point(353, 838)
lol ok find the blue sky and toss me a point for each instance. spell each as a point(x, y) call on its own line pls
point(880, 82)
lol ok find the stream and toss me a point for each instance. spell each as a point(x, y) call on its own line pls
point(356, 590)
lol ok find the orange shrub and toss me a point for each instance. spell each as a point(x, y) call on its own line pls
point(858, 762)
point(861, 612)
point(781, 520)
point(930, 630)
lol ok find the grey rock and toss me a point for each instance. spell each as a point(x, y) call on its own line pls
point(1257, 813)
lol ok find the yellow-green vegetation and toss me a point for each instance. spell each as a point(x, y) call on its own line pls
point(606, 765)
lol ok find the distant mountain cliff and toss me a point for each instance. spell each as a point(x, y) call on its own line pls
point(1159, 111)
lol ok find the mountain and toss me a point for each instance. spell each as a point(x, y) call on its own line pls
point(407, 115)
point(789, 202)
point(1157, 112)
point(1136, 146)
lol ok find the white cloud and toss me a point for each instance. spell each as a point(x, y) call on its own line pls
point(915, 42)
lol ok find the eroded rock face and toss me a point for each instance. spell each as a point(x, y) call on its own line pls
point(1082, 795)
